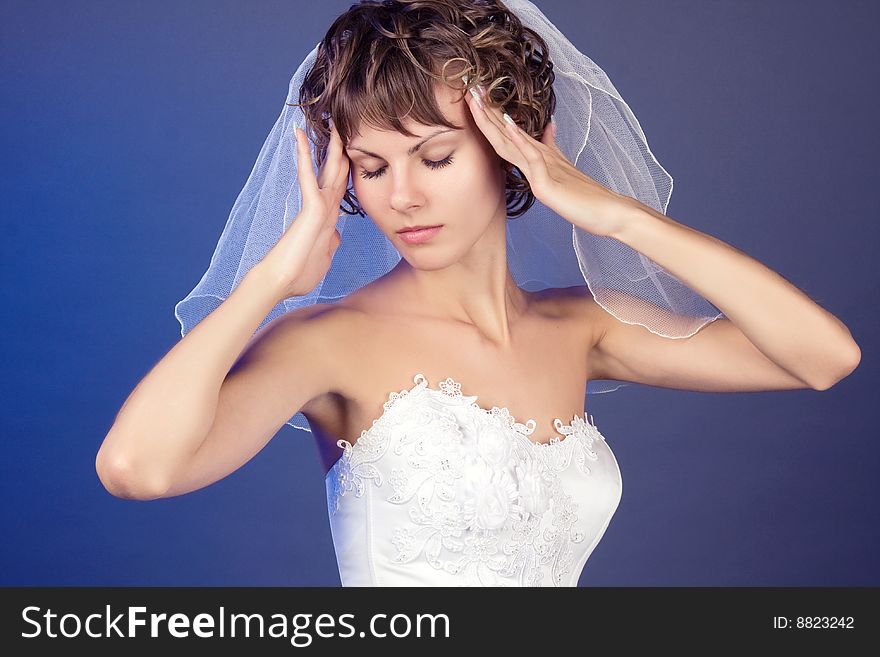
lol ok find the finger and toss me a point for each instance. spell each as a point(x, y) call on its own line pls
point(531, 150)
point(331, 161)
point(308, 186)
point(305, 173)
point(492, 113)
point(494, 131)
point(495, 114)
point(341, 178)
point(337, 167)
point(521, 147)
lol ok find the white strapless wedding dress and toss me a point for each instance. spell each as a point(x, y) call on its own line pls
point(442, 492)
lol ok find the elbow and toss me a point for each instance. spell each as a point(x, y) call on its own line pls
point(121, 480)
point(847, 367)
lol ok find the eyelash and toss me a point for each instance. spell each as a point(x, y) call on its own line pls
point(439, 164)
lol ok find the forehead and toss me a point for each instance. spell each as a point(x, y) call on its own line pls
point(453, 108)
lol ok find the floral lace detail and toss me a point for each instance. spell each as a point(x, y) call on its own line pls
point(355, 466)
point(481, 506)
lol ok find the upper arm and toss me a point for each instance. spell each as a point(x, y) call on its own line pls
point(717, 358)
point(280, 370)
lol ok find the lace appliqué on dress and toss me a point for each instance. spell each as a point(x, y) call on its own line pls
point(484, 501)
point(355, 466)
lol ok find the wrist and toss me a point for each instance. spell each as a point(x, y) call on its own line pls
point(265, 282)
point(632, 218)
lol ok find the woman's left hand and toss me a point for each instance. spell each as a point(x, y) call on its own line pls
point(554, 181)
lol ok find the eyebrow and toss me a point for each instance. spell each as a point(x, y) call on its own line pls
point(412, 150)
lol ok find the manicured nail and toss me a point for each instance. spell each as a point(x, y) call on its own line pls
point(464, 79)
point(507, 118)
point(477, 97)
point(553, 119)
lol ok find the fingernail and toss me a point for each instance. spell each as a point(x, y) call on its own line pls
point(507, 118)
point(477, 97)
point(464, 79)
point(481, 90)
point(553, 119)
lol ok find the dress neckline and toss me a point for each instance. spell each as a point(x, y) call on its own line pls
point(452, 389)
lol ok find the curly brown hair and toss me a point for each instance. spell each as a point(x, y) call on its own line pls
point(380, 60)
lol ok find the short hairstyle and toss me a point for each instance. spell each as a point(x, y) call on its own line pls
point(379, 62)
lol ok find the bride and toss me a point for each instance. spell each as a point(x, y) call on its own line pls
point(445, 396)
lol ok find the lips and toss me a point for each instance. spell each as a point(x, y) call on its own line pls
point(418, 235)
point(413, 228)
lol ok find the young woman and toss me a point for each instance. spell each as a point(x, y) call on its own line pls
point(445, 396)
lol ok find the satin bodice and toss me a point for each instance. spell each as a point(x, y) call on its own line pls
point(442, 492)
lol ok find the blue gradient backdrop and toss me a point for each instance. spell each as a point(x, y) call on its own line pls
point(128, 129)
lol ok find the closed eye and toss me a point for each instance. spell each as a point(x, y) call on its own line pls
point(439, 164)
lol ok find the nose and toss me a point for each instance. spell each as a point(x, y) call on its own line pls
point(405, 195)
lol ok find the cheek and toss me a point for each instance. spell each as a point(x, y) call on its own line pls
point(366, 191)
point(482, 185)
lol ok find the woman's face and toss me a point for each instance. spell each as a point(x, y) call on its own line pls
point(455, 179)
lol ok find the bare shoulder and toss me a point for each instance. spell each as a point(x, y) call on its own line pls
point(322, 330)
point(320, 319)
point(306, 339)
point(335, 328)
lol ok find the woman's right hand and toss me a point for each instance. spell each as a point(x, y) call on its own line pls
point(303, 254)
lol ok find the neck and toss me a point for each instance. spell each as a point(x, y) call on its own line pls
point(477, 290)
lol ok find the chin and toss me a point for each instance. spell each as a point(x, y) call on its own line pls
point(428, 262)
point(436, 259)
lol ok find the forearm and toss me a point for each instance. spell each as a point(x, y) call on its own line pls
point(168, 414)
point(778, 318)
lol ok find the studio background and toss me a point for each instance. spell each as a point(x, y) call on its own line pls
point(128, 130)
